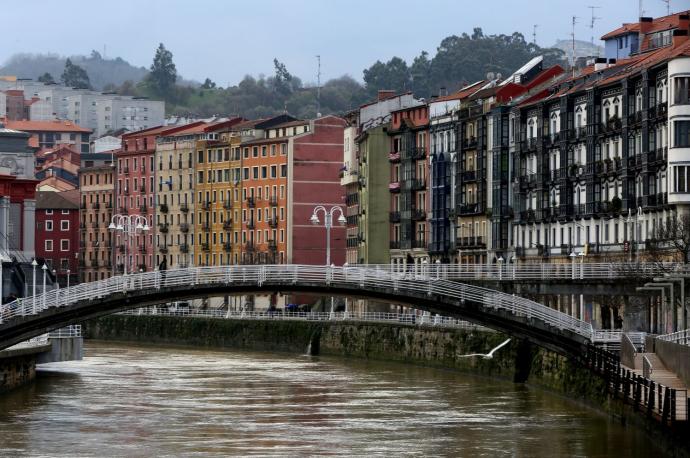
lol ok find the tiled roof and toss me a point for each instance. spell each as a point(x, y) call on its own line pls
point(57, 200)
point(46, 126)
point(624, 29)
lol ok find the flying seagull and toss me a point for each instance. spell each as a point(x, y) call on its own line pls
point(488, 355)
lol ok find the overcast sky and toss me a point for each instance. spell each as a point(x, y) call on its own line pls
point(225, 40)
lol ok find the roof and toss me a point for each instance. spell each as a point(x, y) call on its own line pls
point(623, 30)
point(67, 200)
point(46, 126)
point(290, 124)
point(461, 93)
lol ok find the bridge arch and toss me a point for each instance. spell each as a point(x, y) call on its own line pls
point(516, 316)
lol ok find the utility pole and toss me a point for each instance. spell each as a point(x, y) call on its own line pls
point(318, 86)
point(572, 35)
point(534, 33)
point(591, 24)
point(668, 6)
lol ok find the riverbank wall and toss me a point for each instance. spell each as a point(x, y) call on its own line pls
point(18, 366)
point(428, 345)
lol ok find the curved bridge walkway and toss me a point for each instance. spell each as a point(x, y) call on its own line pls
point(520, 317)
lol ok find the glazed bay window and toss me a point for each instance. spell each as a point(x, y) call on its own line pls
point(681, 134)
point(681, 90)
point(681, 177)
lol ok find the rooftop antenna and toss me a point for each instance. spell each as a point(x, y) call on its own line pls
point(572, 34)
point(318, 86)
point(668, 6)
point(591, 23)
point(534, 33)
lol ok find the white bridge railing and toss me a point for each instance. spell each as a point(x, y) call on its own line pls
point(509, 271)
point(375, 317)
point(679, 337)
point(360, 278)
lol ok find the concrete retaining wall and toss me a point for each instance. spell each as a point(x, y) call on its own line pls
point(18, 367)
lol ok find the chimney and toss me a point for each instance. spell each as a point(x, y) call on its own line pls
point(679, 37)
point(600, 64)
point(684, 22)
point(442, 91)
point(384, 94)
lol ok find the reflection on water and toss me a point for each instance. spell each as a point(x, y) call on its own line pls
point(152, 401)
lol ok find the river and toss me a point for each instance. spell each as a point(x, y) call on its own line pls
point(134, 400)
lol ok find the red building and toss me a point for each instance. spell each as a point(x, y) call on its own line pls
point(314, 162)
point(57, 234)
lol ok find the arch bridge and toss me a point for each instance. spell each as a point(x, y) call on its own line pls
point(516, 316)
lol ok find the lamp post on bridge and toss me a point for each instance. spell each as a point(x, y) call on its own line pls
point(44, 268)
point(129, 226)
point(34, 264)
point(328, 223)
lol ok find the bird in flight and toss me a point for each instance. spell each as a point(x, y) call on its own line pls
point(488, 355)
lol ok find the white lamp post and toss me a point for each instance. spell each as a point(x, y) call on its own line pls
point(129, 226)
point(328, 223)
point(500, 267)
point(33, 300)
point(43, 291)
point(581, 255)
point(2, 284)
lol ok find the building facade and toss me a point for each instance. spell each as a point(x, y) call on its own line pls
point(97, 243)
point(57, 234)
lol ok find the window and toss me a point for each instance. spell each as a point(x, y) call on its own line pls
point(681, 134)
point(681, 178)
point(48, 245)
point(64, 245)
point(49, 212)
point(49, 225)
point(64, 225)
point(681, 90)
point(283, 170)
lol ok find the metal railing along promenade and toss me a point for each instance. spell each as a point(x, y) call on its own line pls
point(372, 317)
point(356, 279)
point(679, 337)
point(536, 271)
point(73, 330)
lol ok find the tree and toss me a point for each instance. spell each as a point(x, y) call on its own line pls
point(672, 238)
point(75, 76)
point(163, 72)
point(393, 75)
point(46, 78)
point(420, 70)
point(208, 84)
point(282, 78)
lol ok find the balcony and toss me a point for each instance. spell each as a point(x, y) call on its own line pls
point(163, 228)
point(96, 205)
point(469, 142)
point(419, 243)
point(227, 246)
point(227, 225)
point(418, 152)
point(184, 248)
point(95, 225)
point(273, 201)
point(82, 206)
point(126, 191)
point(468, 209)
point(184, 208)
point(82, 226)
point(272, 245)
point(143, 208)
point(249, 246)
point(121, 248)
point(108, 205)
point(394, 157)
point(418, 184)
point(418, 215)
point(124, 210)
point(273, 222)
point(469, 175)
point(142, 248)
point(205, 204)
point(251, 224)
point(142, 267)
point(394, 245)
point(635, 118)
point(251, 203)
point(95, 263)
point(163, 249)
point(394, 187)
point(125, 170)
point(205, 246)
point(164, 208)
point(227, 204)
point(394, 217)
point(581, 132)
point(184, 227)
point(474, 241)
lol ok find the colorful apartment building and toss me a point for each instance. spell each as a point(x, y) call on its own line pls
point(57, 234)
point(97, 244)
point(175, 186)
point(409, 202)
point(49, 134)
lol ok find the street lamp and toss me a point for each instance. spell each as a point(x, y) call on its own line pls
point(500, 267)
point(2, 285)
point(129, 226)
point(328, 223)
point(33, 300)
point(44, 268)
